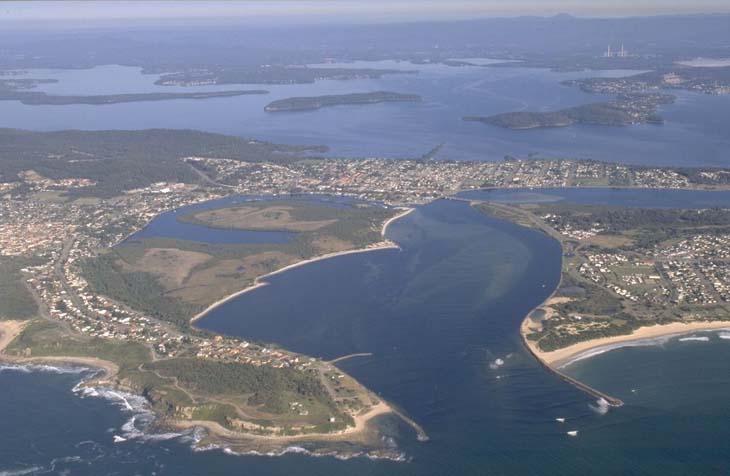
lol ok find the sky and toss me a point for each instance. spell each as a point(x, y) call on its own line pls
point(344, 10)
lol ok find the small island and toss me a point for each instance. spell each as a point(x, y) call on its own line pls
point(628, 109)
point(316, 102)
point(37, 98)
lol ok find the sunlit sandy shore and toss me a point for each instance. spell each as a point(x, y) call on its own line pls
point(260, 281)
point(561, 357)
point(9, 330)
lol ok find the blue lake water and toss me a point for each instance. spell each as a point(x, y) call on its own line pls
point(168, 225)
point(436, 316)
point(697, 131)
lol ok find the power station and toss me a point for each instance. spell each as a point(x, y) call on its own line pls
point(622, 53)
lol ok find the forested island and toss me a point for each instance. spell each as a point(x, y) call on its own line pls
point(317, 102)
point(626, 110)
point(37, 98)
point(294, 74)
point(638, 98)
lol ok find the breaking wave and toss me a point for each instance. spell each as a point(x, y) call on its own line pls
point(51, 468)
point(654, 341)
point(724, 335)
point(20, 471)
point(294, 449)
point(56, 369)
point(141, 417)
point(496, 364)
point(138, 425)
point(601, 407)
point(694, 338)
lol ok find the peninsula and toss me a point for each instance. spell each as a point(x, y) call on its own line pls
point(87, 286)
point(701, 79)
point(317, 102)
point(626, 110)
point(271, 74)
point(35, 98)
point(627, 274)
point(124, 305)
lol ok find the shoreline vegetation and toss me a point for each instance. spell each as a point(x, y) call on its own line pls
point(271, 74)
point(557, 360)
point(589, 313)
point(33, 98)
point(562, 358)
point(312, 103)
point(359, 431)
point(9, 330)
point(260, 281)
point(627, 110)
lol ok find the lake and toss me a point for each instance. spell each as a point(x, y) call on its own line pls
point(696, 132)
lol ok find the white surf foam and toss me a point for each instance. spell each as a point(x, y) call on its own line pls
point(142, 417)
point(294, 449)
point(56, 369)
point(20, 471)
point(601, 407)
point(724, 335)
point(496, 364)
point(694, 338)
point(649, 342)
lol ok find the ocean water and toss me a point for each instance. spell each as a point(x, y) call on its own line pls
point(441, 317)
point(696, 131)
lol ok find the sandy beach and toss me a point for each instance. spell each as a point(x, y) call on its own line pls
point(260, 281)
point(390, 220)
point(9, 330)
point(560, 357)
point(360, 431)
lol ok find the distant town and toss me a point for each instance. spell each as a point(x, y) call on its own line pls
point(404, 182)
point(60, 234)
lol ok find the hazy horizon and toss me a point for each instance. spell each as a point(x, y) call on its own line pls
point(79, 13)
